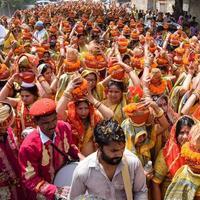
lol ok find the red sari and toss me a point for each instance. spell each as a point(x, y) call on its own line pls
point(22, 120)
point(10, 185)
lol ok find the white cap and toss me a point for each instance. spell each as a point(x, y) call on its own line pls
point(149, 162)
point(27, 85)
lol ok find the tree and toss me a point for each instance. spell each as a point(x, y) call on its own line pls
point(178, 8)
point(9, 6)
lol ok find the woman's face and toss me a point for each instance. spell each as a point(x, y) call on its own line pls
point(27, 97)
point(141, 140)
point(163, 104)
point(47, 75)
point(92, 80)
point(114, 94)
point(82, 110)
point(183, 135)
point(127, 61)
point(46, 57)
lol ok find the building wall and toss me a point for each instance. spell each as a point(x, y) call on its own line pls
point(161, 5)
point(165, 5)
point(140, 4)
point(194, 9)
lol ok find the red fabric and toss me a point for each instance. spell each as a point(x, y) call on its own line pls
point(10, 166)
point(76, 122)
point(42, 106)
point(28, 120)
point(35, 152)
point(171, 153)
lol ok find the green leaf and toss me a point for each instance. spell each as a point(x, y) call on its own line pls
point(136, 98)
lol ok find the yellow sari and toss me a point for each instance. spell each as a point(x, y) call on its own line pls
point(98, 91)
point(119, 114)
point(161, 174)
point(185, 185)
point(132, 133)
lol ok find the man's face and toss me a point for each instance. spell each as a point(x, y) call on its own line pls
point(112, 153)
point(39, 28)
point(48, 123)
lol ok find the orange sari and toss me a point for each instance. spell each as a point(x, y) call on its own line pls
point(171, 153)
point(82, 135)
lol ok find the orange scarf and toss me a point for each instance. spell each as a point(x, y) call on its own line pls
point(171, 153)
point(158, 89)
point(76, 122)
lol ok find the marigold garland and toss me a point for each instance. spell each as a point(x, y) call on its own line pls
point(190, 155)
point(180, 50)
point(71, 66)
point(130, 108)
point(158, 89)
point(137, 113)
point(81, 90)
point(3, 68)
point(96, 62)
point(137, 61)
point(116, 72)
point(19, 50)
point(4, 72)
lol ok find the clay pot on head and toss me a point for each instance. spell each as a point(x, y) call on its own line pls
point(116, 72)
point(137, 113)
point(27, 77)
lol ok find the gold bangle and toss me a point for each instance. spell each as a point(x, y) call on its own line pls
point(160, 114)
point(97, 104)
point(67, 95)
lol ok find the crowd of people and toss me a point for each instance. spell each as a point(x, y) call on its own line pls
point(115, 89)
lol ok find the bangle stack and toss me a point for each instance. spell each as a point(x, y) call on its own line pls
point(97, 104)
point(9, 85)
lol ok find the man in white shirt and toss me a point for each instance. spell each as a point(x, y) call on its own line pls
point(3, 34)
point(101, 172)
point(40, 35)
